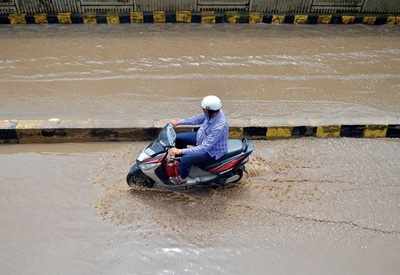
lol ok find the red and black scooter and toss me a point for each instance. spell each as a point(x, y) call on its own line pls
point(154, 168)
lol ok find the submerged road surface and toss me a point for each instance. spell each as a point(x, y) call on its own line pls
point(308, 206)
point(331, 74)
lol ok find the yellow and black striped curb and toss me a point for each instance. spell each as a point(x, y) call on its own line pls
point(209, 17)
point(37, 131)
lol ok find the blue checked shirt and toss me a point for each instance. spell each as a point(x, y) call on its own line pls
point(212, 136)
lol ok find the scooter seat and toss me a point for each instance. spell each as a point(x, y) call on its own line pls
point(235, 146)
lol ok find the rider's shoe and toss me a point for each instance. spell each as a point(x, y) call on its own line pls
point(177, 180)
point(190, 180)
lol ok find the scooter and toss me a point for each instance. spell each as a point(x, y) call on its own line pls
point(154, 167)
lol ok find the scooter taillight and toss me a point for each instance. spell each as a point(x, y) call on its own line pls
point(172, 168)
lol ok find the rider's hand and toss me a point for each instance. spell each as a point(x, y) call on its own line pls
point(174, 122)
point(175, 152)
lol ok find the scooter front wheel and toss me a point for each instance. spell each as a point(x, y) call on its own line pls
point(136, 177)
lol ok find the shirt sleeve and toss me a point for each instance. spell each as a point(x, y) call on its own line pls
point(194, 120)
point(215, 134)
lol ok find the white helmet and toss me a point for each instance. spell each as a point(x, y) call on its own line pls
point(211, 102)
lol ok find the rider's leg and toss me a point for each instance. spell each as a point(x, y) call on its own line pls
point(184, 139)
point(190, 159)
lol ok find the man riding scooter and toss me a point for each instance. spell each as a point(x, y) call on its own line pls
point(209, 143)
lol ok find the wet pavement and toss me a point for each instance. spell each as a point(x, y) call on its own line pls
point(286, 74)
point(308, 206)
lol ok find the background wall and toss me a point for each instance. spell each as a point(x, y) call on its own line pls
point(269, 6)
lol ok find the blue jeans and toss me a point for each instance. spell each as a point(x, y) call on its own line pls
point(190, 159)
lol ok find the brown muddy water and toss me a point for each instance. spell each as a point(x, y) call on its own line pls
point(308, 206)
point(285, 74)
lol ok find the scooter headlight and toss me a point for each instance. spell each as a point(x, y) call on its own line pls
point(143, 156)
point(147, 166)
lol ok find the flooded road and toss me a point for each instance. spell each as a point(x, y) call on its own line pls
point(308, 206)
point(264, 73)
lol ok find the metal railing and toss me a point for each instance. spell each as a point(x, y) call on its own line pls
point(49, 6)
point(114, 6)
point(224, 5)
point(282, 6)
point(7, 6)
point(165, 5)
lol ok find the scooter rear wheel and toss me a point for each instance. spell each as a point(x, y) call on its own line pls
point(233, 178)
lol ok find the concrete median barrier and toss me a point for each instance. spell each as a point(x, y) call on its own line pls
point(58, 131)
point(205, 17)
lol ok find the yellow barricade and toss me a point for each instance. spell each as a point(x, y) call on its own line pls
point(28, 131)
point(369, 20)
point(112, 19)
point(393, 20)
point(183, 17)
point(328, 131)
point(232, 17)
point(375, 131)
point(235, 132)
point(64, 18)
point(89, 19)
point(208, 18)
point(300, 19)
point(279, 132)
point(324, 19)
point(17, 18)
point(255, 17)
point(159, 17)
point(346, 19)
point(40, 18)
point(137, 17)
point(278, 19)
